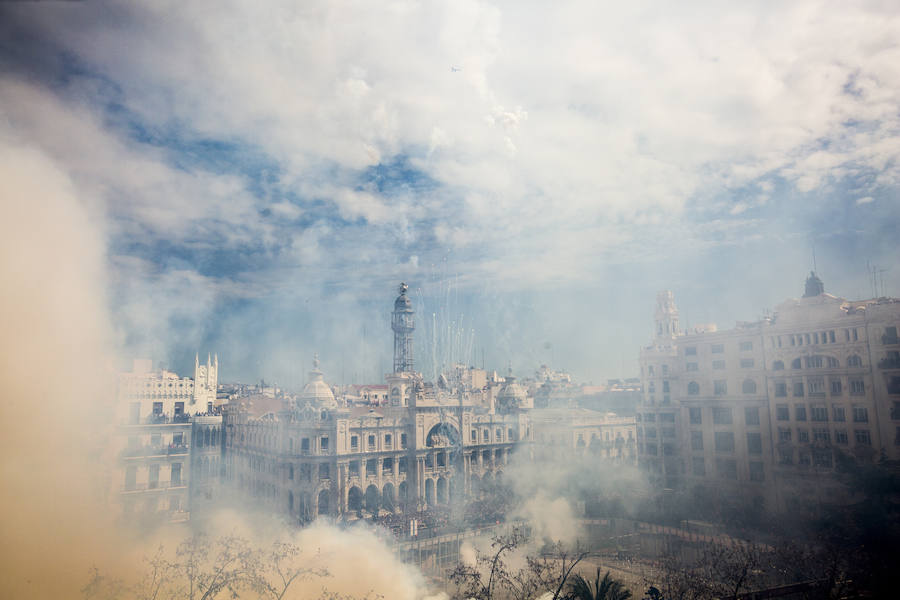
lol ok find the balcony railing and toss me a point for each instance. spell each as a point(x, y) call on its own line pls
point(890, 339)
point(889, 363)
point(162, 419)
point(171, 449)
point(153, 485)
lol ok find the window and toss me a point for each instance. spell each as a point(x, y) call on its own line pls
point(818, 412)
point(816, 386)
point(691, 366)
point(724, 441)
point(746, 363)
point(820, 434)
point(668, 450)
point(291, 472)
point(757, 473)
point(803, 436)
point(324, 471)
point(718, 349)
point(668, 432)
point(323, 444)
point(695, 415)
point(838, 414)
point(795, 364)
point(784, 435)
point(803, 459)
point(822, 458)
point(388, 440)
point(696, 440)
point(751, 415)
point(860, 414)
point(486, 435)
point(798, 389)
point(746, 346)
point(474, 435)
point(754, 443)
point(832, 362)
point(665, 369)
point(652, 450)
point(306, 471)
point(690, 351)
point(854, 361)
point(498, 435)
point(666, 417)
point(726, 468)
point(778, 365)
point(781, 390)
point(862, 437)
point(720, 387)
point(698, 466)
point(840, 436)
point(354, 442)
point(176, 474)
point(650, 417)
point(718, 365)
point(800, 412)
point(153, 477)
point(722, 415)
point(835, 387)
point(857, 387)
point(665, 387)
point(814, 362)
point(371, 442)
point(781, 412)
point(785, 456)
point(748, 387)
point(401, 464)
point(693, 388)
point(650, 432)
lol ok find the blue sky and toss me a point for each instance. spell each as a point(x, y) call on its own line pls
point(261, 178)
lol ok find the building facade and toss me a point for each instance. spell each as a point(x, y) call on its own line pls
point(427, 444)
point(766, 408)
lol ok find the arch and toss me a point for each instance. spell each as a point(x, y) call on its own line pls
point(442, 435)
point(442, 490)
point(778, 365)
point(429, 492)
point(323, 502)
point(355, 499)
point(693, 388)
point(748, 387)
point(854, 361)
point(372, 499)
point(402, 491)
point(387, 497)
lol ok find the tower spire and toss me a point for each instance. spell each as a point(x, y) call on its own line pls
point(403, 325)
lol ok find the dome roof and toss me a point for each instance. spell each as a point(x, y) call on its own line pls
point(317, 391)
point(512, 390)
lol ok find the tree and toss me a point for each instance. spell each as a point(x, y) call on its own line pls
point(607, 588)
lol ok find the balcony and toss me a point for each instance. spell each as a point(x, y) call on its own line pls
point(891, 362)
point(171, 449)
point(153, 486)
point(888, 339)
point(161, 419)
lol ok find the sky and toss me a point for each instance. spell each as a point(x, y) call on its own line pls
point(259, 178)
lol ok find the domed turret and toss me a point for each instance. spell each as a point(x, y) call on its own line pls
point(814, 286)
point(317, 391)
point(511, 396)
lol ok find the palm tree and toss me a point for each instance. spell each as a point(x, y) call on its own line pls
point(607, 588)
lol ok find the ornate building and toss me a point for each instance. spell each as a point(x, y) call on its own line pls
point(429, 444)
point(764, 409)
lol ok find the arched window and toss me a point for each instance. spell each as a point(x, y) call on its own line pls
point(854, 361)
point(778, 365)
point(748, 387)
point(795, 364)
point(693, 388)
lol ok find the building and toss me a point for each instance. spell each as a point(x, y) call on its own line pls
point(428, 443)
point(763, 409)
point(165, 431)
point(563, 432)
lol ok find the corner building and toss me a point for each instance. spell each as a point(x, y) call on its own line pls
point(319, 457)
point(762, 410)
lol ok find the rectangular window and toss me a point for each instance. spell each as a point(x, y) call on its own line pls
point(863, 437)
point(692, 366)
point(822, 458)
point(371, 467)
point(718, 365)
point(306, 471)
point(818, 412)
point(668, 450)
point(746, 346)
point(371, 442)
point(781, 390)
point(650, 432)
point(814, 362)
point(722, 415)
point(153, 478)
point(652, 450)
point(785, 456)
point(698, 466)
point(798, 389)
point(666, 417)
point(840, 436)
point(751, 415)
point(816, 386)
point(353, 469)
point(803, 436)
point(388, 440)
point(696, 440)
point(474, 435)
point(857, 387)
point(800, 412)
point(835, 387)
point(754, 443)
point(757, 472)
point(176, 473)
point(690, 351)
point(726, 468)
point(820, 434)
point(324, 471)
point(486, 435)
point(401, 464)
point(782, 413)
point(717, 348)
point(668, 432)
point(860, 414)
point(695, 415)
point(746, 363)
point(720, 387)
point(354, 442)
point(724, 441)
point(323, 444)
point(784, 435)
point(665, 387)
point(650, 417)
point(665, 369)
point(838, 413)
